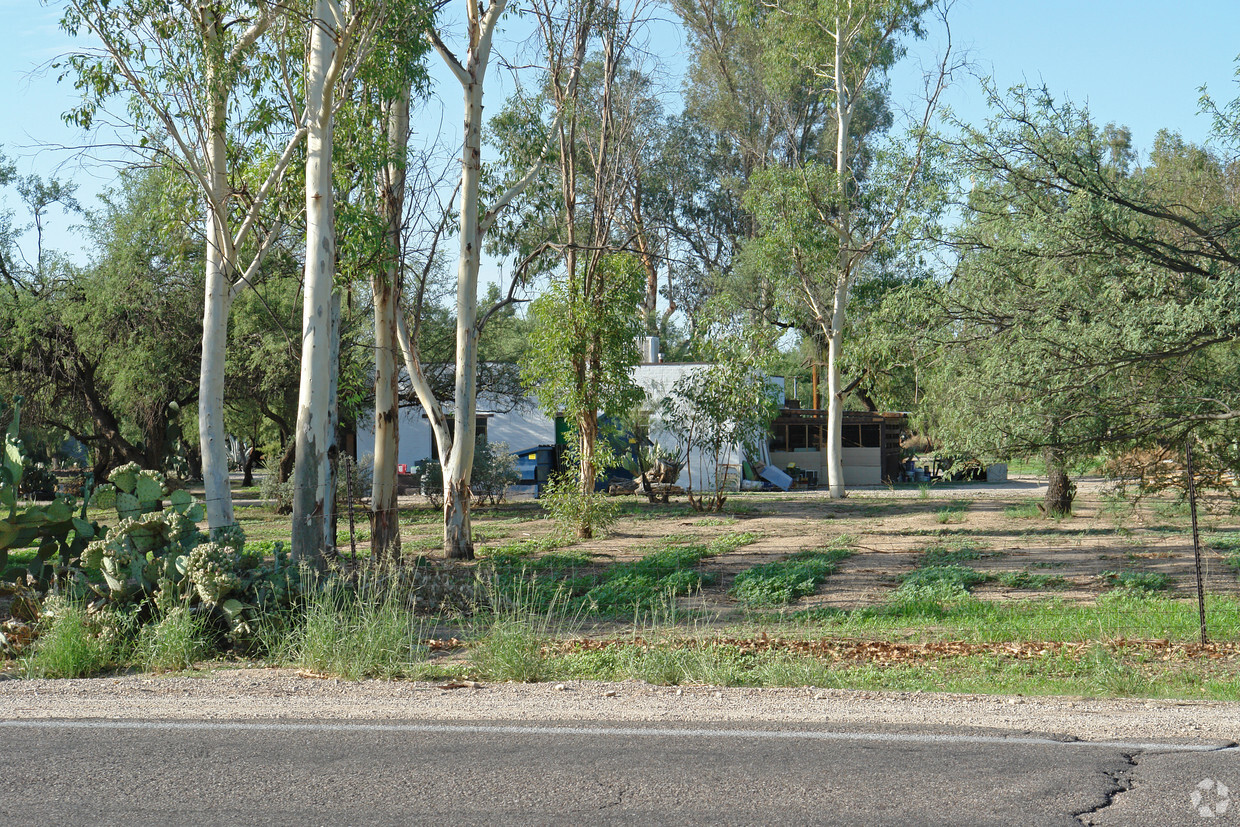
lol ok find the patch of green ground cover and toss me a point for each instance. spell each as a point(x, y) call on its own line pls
point(570, 584)
point(789, 579)
point(263, 524)
point(954, 551)
point(1137, 581)
point(1027, 510)
point(1227, 544)
point(642, 510)
point(953, 512)
point(1031, 581)
point(1176, 509)
point(926, 615)
point(420, 544)
point(20, 560)
point(420, 516)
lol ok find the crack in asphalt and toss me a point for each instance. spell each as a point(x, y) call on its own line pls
point(1120, 782)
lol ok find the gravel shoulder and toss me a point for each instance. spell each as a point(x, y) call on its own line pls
point(274, 694)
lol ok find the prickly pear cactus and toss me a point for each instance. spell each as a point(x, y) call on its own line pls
point(210, 573)
point(51, 528)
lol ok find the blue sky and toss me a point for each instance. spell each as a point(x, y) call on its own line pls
point(1136, 62)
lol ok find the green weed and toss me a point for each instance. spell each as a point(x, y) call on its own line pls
point(355, 632)
point(953, 512)
point(1142, 581)
point(955, 551)
point(1024, 511)
point(1028, 580)
point(72, 644)
point(783, 581)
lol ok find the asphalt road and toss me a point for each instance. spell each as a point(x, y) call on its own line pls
point(112, 772)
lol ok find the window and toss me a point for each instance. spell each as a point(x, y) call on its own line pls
point(480, 433)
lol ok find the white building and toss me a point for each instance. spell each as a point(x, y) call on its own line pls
point(527, 426)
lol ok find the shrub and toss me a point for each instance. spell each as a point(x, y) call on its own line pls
point(278, 495)
point(432, 483)
point(495, 468)
point(571, 508)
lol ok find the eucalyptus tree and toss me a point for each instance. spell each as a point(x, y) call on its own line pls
point(456, 447)
point(842, 213)
point(587, 322)
point(341, 38)
point(202, 87)
point(372, 162)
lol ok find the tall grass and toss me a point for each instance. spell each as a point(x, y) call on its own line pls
point(72, 645)
point(175, 642)
point(354, 631)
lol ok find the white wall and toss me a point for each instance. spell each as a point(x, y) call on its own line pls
point(657, 381)
point(524, 427)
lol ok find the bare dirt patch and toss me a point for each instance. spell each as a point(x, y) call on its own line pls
point(891, 530)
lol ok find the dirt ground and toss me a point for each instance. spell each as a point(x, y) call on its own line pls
point(892, 528)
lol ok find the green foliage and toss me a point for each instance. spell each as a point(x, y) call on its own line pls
point(784, 581)
point(571, 508)
point(583, 347)
point(107, 350)
point(721, 406)
point(73, 643)
point(1136, 581)
point(1087, 301)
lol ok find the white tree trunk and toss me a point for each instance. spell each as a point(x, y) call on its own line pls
point(212, 432)
point(835, 404)
point(384, 522)
point(312, 500)
point(457, 536)
point(843, 278)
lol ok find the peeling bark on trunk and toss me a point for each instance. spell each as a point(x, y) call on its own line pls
point(384, 522)
point(312, 498)
point(587, 425)
point(457, 531)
